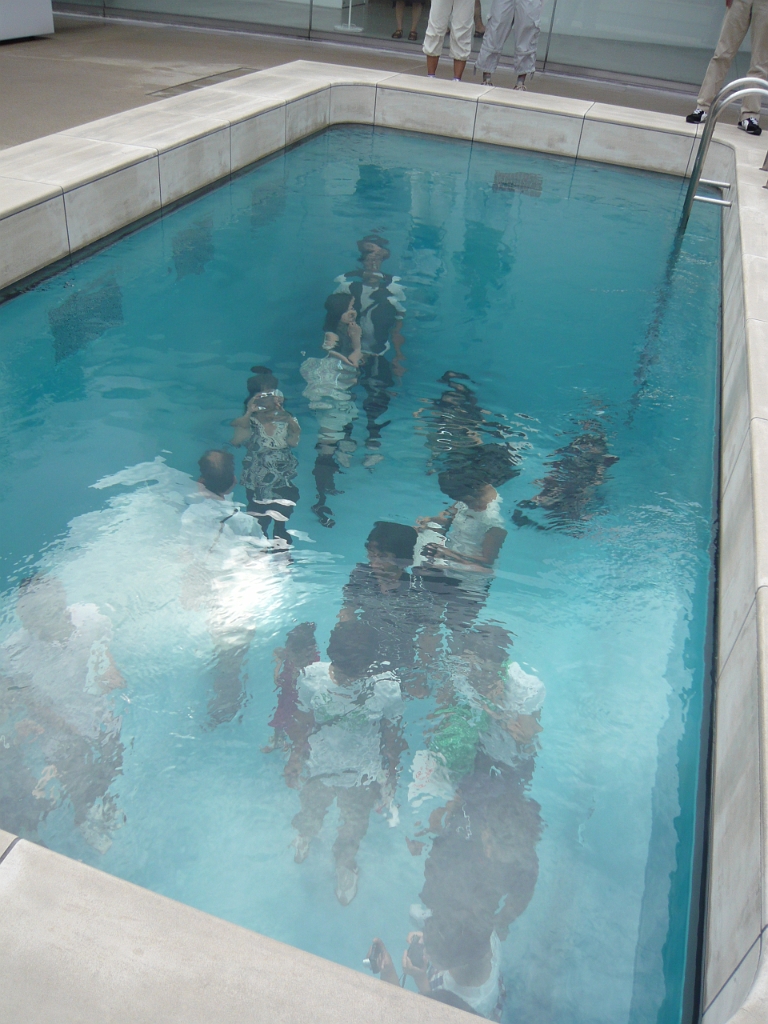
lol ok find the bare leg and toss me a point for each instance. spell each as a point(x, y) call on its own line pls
point(479, 26)
point(399, 11)
point(415, 15)
point(432, 65)
point(458, 68)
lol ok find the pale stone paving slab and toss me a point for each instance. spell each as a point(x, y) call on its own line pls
point(78, 945)
point(6, 838)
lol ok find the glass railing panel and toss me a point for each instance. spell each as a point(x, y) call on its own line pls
point(378, 19)
point(293, 15)
point(647, 38)
point(357, 20)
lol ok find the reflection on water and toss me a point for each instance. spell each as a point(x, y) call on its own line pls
point(193, 248)
point(85, 316)
point(423, 738)
point(61, 740)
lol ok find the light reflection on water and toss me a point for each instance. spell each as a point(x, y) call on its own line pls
point(510, 729)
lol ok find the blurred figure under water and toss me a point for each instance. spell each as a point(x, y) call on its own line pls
point(458, 547)
point(345, 743)
point(270, 466)
point(186, 575)
point(329, 384)
point(379, 302)
point(60, 742)
point(212, 527)
point(459, 433)
point(569, 494)
point(482, 867)
point(387, 596)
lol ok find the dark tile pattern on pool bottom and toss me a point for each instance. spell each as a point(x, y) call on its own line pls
point(487, 728)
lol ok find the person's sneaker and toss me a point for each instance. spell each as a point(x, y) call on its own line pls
point(487, 78)
point(346, 885)
point(419, 914)
point(699, 116)
point(751, 126)
point(301, 846)
point(325, 515)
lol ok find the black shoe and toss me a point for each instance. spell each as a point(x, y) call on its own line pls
point(750, 126)
point(324, 515)
point(699, 116)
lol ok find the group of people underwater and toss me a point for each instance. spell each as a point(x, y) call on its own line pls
point(409, 631)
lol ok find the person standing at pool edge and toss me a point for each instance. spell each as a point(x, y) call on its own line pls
point(525, 17)
point(740, 16)
point(460, 15)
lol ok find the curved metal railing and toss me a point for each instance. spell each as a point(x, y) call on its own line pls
point(734, 91)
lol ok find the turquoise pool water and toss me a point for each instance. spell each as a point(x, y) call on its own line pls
point(523, 769)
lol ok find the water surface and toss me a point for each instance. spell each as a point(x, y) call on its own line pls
point(535, 277)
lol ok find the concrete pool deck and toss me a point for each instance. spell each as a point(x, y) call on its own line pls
point(80, 945)
point(93, 67)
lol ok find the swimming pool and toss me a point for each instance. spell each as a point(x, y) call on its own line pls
point(536, 277)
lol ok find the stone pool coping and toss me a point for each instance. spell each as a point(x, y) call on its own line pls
point(79, 945)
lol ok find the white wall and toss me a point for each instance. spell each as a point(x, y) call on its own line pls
point(693, 23)
point(20, 18)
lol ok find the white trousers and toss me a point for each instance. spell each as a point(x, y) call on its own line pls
point(525, 17)
point(460, 15)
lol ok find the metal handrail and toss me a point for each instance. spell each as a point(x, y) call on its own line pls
point(734, 91)
point(650, 352)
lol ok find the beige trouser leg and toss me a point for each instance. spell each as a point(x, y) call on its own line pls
point(439, 19)
point(759, 64)
point(736, 23)
point(460, 14)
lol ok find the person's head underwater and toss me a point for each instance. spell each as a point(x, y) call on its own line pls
point(353, 650)
point(262, 380)
point(390, 548)
point(469, 486)
point(340, 323)
point(217, 471)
